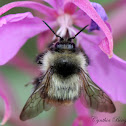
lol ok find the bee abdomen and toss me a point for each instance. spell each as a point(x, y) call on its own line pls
point(64, 89)
point(61, 94)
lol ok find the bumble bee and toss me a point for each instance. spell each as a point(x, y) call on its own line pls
point(64, 79)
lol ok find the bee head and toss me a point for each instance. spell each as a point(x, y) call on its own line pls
point(64, 43)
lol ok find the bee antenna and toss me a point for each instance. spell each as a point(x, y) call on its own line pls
point(78, 33)
point(52, 30)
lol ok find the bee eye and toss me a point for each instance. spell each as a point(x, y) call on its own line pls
point(71, 46)
point(65, 46)
point(59, 46)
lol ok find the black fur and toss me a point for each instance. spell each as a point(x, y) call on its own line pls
point(65, 68)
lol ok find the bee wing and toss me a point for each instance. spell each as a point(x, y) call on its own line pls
point(94, 96)
point(36, 102)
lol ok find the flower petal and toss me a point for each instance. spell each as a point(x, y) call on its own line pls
point(81, 19)
point(82, 121)
point(23, 63)
point(57, 4)
point(15, 30)
point(118, 26)
point(104, 46)
point(43, 39)
point(100, 10)
point(7, 110)
point(4, 93)
point(86, 6)
point(32, 5)
point(83, 118)
point(80, 109)
point(70, 8)
point(109, 74)
point(110, 6)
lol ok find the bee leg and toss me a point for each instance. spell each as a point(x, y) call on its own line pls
point(39, 58)
point(33, 82)
point(27, 84)
point(37, 81)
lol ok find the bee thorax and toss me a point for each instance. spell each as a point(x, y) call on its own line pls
point(64, 64)
point(63, 67)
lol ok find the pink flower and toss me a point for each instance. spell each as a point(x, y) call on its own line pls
point(16, 29)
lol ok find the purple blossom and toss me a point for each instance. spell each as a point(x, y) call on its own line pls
point(100, 10)
point(16, 29)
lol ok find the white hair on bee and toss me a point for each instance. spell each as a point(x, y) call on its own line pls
point(65, 89)
point(49, 58)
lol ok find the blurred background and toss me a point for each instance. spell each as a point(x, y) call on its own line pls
point(17, 76)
